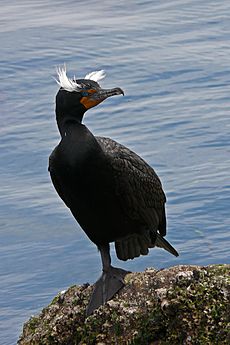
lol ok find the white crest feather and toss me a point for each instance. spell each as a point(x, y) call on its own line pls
point(96, 75)
point(66, 83)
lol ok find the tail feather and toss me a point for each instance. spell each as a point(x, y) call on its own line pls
point(134, 245)
point(162, 243)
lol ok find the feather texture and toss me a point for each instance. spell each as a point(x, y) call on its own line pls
point(66, 83)
point(96, 75)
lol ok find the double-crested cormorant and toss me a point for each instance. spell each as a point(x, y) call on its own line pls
point(113, 194)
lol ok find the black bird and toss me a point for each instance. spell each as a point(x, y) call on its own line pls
point(113, 194)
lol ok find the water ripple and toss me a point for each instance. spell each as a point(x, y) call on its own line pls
point(172, 60)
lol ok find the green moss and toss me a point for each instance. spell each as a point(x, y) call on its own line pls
point(179, 305)
point(117, 326)
point(33, 324)
point(55, 300)
point(151, 328)
point(196, 313)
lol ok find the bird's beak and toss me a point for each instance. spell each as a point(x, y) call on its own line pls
point(97, 96)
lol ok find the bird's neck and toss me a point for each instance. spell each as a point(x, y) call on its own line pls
point(75, 134)
point(78, 145)
point(68, 123)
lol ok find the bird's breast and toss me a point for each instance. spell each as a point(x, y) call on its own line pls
point(87, 185)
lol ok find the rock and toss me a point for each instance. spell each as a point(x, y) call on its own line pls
point(178, 305)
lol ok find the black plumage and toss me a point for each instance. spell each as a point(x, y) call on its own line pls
point(113, 193)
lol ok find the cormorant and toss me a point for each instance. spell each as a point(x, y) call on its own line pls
point(113, 194)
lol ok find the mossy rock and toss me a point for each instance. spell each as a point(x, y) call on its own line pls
point(178, 305)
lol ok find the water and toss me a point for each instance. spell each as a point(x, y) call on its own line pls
point(172, 58)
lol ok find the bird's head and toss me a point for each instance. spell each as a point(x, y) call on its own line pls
point(79, 95)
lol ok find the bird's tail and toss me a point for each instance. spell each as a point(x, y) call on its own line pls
point(162, 243)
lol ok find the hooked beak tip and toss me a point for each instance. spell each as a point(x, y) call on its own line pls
point(111, 92)
point(119, 91)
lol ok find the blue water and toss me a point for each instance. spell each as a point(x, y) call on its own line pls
point(172, 58)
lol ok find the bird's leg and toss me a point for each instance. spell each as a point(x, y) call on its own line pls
point(105, 257)
point(112, 277)
point(111, 281)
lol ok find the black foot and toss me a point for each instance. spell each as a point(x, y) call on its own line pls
point(111, 281)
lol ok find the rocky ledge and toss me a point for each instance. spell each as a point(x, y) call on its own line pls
point(178, 305)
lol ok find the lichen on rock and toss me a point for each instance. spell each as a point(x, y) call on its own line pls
point(178, 305)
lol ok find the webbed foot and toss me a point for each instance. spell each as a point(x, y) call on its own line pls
point(111, 281)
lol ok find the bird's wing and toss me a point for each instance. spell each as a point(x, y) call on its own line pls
point(142, 199)
point(137, 185)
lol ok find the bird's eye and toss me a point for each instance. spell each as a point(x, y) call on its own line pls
point(84, 93)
